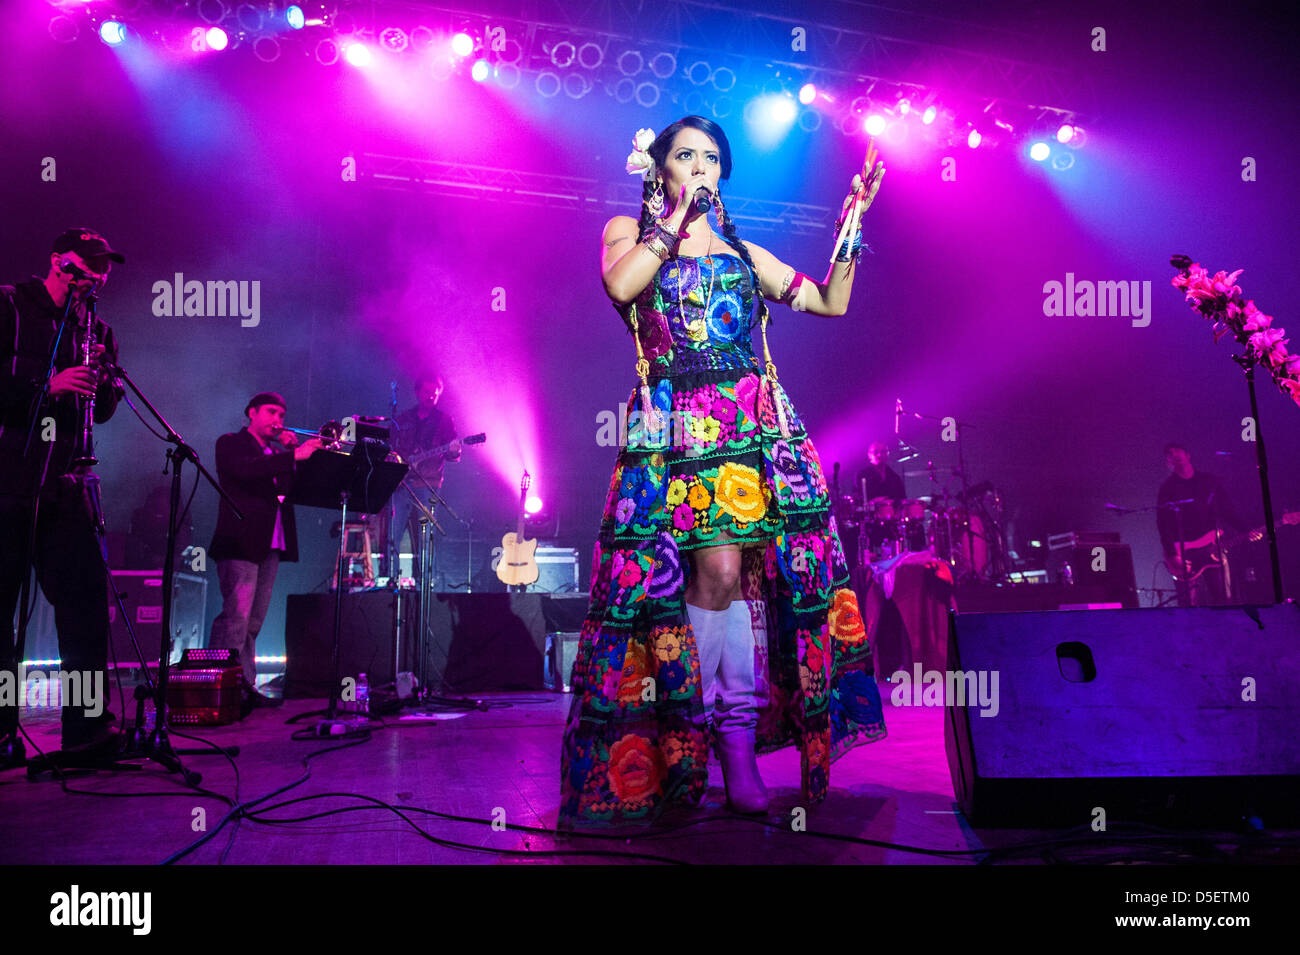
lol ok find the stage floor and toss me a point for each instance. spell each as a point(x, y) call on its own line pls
point(500, 763)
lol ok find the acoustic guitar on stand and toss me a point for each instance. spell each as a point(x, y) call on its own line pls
point(518, 564)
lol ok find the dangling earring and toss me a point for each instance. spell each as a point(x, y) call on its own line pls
point(656, 202)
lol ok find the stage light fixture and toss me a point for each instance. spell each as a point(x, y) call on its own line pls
point(810, 120)
point(783, 109)
point(211, 11)
point(928, 117)
point(663, 65)
point(807, 93)
point(699, 72)
point(1078, 139)
point(647, 94)
point(359, 55)
point(625, 89)
point(590, 56)
point(973, 138)
point(1039, 151)
point(724, 80)
point(1065, 133)
point(462, 44)
point(875, 124)
point(266, 49)
point(507, 75)
point(248, 17)
point(216, 39)
point(904, 106)
point(563, 54)
point(327, 52)
point(629, 63)
point(422, 38)
point(112, 32)
point(547, 84)
point(533, 504)
point(722, 107)
point(1062, 161)
point(576, 86)
point(394, 39)
point(64, 29)
point(480, 71)
point(293, 16)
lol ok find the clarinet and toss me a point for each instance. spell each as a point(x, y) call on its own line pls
point(85, 447)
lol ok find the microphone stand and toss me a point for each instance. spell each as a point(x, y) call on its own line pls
point(156, 745)
point(1247, 363)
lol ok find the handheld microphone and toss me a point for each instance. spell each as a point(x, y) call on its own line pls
point(703, 199)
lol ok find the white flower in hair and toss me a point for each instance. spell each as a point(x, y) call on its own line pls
point(639, 160)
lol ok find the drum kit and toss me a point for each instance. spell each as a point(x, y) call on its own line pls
point(964, 529)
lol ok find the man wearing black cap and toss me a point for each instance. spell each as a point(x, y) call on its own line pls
point(255, 466)
point(45, 518)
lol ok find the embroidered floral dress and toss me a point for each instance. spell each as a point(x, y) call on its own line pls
point(727, 461)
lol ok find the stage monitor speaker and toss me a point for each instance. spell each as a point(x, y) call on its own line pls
point(1107, 567)
point(366, 645)
point(1181, 717)
point(142, 596)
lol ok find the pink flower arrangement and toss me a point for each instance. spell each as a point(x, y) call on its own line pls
point(1218, 298)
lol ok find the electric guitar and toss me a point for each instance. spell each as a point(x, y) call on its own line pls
point(518, 564)
point(434, 455)
point(1199, 555)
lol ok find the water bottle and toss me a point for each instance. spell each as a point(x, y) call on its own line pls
point(363, 694)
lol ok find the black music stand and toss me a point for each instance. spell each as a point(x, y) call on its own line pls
point(362, 480)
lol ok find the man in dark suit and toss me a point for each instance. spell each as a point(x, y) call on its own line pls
point(255, 466)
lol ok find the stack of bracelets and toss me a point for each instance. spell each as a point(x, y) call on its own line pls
point(662, 241)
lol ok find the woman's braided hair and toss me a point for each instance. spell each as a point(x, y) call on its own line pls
point(659, 153)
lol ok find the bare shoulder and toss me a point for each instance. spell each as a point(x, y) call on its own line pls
point(619, 228)
point(764, 260)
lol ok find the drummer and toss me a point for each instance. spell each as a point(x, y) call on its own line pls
point(878, 480)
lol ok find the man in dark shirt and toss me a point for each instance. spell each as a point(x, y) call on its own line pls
point(418, 431)
point(879, 480)
point(255, 465)
point(46, 517)
point(1203, 511)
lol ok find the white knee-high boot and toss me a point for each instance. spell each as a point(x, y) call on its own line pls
point(710, 632)
point(737, 714)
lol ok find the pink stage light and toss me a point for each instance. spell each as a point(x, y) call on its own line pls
point(359, 55)
point(216, 38)
point(533, 504)
point(1065, 133)
point(875, 124)
point(807, 93)
point(480, 71)
point(974, 138)
point(929, 115)
point(462, 44)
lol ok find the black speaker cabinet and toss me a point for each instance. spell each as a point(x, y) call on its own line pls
point(1178, 717)
point(369, 639)
point(483, 642)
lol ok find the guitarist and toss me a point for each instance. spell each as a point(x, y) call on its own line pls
point(419, 429)
point(1193, 529)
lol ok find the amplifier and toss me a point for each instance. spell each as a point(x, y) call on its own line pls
point(1079, 539)
point(1106, 566)
point(142, 595)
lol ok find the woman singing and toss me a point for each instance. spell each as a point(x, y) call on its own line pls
point(720, 608)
